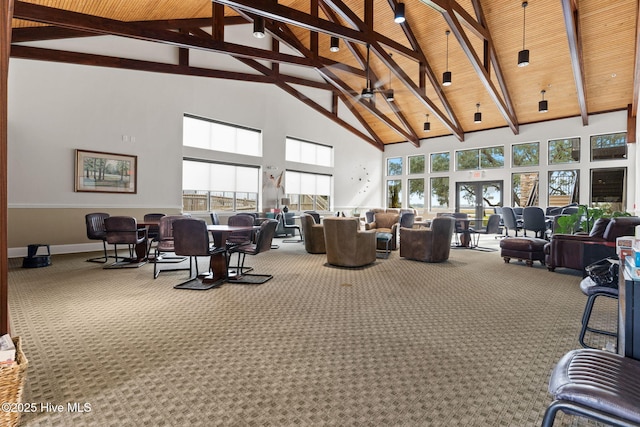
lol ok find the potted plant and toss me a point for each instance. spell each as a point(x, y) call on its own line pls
point(584, 219)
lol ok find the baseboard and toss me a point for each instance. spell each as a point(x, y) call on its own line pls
point(58, 249)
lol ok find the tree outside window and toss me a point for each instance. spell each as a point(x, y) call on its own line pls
point(524, 189)
point(564, 150)
point(416, 193)
point(609, 146)
point(416, 164)
point(394, 193)
point(394, 166)
point(492, 157)
point(564, 187)
point(440, 162)
point(467, 160)
point(440, 192)
point(527, 154)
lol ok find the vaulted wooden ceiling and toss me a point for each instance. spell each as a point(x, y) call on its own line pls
point(583, 54)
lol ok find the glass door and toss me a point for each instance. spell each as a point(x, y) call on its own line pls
point(478, 198)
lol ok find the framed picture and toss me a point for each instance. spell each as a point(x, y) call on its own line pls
point(100, 172)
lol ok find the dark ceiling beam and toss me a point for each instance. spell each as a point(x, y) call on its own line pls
point(507, 111)
point(217, 21)
point(52, 55)
point(570, 11)
point(288, 15)
point(30, 34)
point(105, 26)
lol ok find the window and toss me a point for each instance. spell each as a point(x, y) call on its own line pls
point(416, 193)
point(525, 189)
point(440, 162)
point(527, 154)
point(208, 186)
point(394, 193)
point(467, 160)
point(609, 146)
point(308, 191)
point(440, 192)
point(564, 150)
point(491, 157)
point(308, 152)
point(416, 164)
point(394, 166)
point(608, 189)
point(212, 135)
point(564, 187)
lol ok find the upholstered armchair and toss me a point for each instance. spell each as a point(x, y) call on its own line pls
point(386, 222)
point(313, 235)
point(346, 244)
point(428, 244)
point(576, 251)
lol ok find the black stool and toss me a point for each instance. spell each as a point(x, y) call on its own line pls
point(33, 260)
point(596, 384)
point(593, 291)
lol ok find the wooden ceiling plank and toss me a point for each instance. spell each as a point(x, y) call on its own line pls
point(570, 11)
point(636, 68)
point(98, 25)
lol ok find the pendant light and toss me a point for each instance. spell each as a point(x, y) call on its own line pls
point(389, 92)
point(335, 44)
point(399, 14)
point(543, 106)
point(427, 124)
point(258, 27)
point(477, 117)
point(523, 55)
point(446, 76)
point(367, 92)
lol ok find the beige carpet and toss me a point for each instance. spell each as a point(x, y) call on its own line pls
point(469, 342)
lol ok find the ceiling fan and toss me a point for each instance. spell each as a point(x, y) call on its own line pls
point(368, 92)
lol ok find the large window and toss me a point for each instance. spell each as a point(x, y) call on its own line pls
point(440, 162)
point(208, 186)
point(416, 193)
point(394, 193)
point(492, 157)
point(440, 192)
point(564, 187)
point(467, 160)
point(394, 166)
point(527, 154)
point(609, 146)
point(525, 189)
point(416, 164)
point(608, 188)
point(564, 150)
point(213, 135)
point(308, 191)
point(308, 152)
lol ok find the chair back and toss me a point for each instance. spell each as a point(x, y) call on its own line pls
point(121, 230)
point(534, 219)
point(315, 215)
point(509, 218)
point(165, 232)
point(95, 225)
point(265, 235)
point(493, 224)
point(407, 219)
point(240, 220)
point(153, 230)
point(190, 237)
point(214, 218)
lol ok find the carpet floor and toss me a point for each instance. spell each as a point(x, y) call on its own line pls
point(468, 342)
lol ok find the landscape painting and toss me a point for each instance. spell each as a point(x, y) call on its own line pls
point(105, 172)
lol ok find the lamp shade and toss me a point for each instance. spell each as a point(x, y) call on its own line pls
point(523, 58)
point(446, 78)
point(258, 27)
point(399, 15)
point(543, 106)
point(477, 117)
point(335, 44)
point(427, 126)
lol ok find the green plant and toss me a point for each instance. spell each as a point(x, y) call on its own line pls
point(584, 219)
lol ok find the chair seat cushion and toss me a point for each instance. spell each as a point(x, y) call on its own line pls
point(600, 380)
point(523, 244)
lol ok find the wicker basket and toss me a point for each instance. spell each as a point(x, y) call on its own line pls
point(12, 381)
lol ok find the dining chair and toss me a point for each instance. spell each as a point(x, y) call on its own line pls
point(96, 231)
point(191, 238)
point(510, 221)
point(124, 230)
point(534, 219)
point(166, 245)
point(240, 237)
point(263, 240)
point(153, 230)
point(286, 227)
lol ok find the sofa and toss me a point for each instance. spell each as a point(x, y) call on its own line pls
point(384, 222)
point(371, 213)
point(346, 244)
point(313, 235)
point(431, 244)
point(576, 251)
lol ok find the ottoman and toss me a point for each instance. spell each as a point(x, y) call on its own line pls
point(529, 249)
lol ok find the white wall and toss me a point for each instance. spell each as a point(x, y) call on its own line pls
point(541, 132)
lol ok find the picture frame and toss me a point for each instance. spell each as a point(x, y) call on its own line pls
point(102, 172)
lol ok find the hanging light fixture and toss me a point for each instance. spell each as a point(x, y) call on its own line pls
point(523, 55)
point(427, 124)
point(258, 27)
point(389, 92)
point(367, 92)
point(543, 106)
point(477, 117)
point(335, 44)
point(399, 14)
point(446, 76)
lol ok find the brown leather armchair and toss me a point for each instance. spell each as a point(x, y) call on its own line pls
point(386, 222)
point(428, 244)
point(576, 251)
point(313, 235)
point(346, 245)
